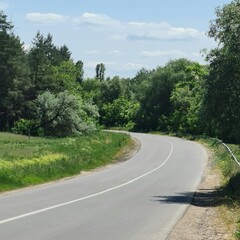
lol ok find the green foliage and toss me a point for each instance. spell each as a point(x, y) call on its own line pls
point(23, 126)
point(187, 100)
point(39, 60)
point(91, 89)
point(169, 98)
point(79, 71)
point(110, 90)
point(63, 114)
point(108, 96)
point(222, 97)
point(31, 161)
point(156, 102)
point(14, 81)
point(51, 68)
point(65, 77)
point(121, 112)
point(229, 168)
point(136, 87)
point(237, 233)
point(100, 71)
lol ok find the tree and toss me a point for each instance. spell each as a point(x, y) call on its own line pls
point(40, 59)
point(222, 98)
point(14, 81)
point(91, 89)
point(64, 77)
point(121, 112)
point(59, 55)
point(64, 53)
point(100, 71)
point(63, 115)
point(110, 90)
point(187, 100)
point(43, 58)
point(80, 71)
point(156, 103)
point(137, 86)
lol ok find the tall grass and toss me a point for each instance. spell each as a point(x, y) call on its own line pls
point(25, 161)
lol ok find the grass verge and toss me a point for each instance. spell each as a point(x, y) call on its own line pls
point(25, 162)
point(228, 197)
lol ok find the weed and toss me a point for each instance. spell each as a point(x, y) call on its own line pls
point(237, 234)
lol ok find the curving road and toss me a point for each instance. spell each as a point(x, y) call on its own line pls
point(139, 199)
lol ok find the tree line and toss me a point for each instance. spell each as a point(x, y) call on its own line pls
point(44, 91)
point(40, 88)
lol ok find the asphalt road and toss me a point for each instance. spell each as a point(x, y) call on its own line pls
point(139, 199)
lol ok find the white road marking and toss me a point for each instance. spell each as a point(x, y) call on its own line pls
point(89, 196)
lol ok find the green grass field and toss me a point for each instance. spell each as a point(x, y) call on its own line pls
point(25, 161)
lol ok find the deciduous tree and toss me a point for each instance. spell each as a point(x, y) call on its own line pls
point(63, 114)
point(222, 99)
point(100, 71)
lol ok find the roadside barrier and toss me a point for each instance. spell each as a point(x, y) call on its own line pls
point(230, 151)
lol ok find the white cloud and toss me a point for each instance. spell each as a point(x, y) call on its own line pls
point(45, 18)
point(139, 31)
point(131, 31)
point(175, 53)
point(94, 19)
point(135, 31)
point(160, 31)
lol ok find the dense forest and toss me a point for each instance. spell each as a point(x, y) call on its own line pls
point(43, 90)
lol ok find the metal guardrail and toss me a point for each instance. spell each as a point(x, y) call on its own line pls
point(230, 151)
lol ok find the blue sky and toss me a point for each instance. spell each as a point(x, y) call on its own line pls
point(125, 35)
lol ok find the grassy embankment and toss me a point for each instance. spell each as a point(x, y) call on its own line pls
point(229, 192)
point(25, 161)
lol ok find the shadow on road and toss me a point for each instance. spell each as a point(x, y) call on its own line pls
point(201, 198)
point(228, 194)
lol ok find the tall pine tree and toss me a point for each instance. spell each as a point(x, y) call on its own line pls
point(13, 75)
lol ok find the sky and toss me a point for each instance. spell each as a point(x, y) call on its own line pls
point(125, 35)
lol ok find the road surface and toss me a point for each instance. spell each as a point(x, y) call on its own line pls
point(139, 199)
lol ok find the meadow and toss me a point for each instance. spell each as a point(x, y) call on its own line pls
point(28, 161)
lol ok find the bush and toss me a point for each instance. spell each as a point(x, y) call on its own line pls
point(59, 115)
point(24, 126)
